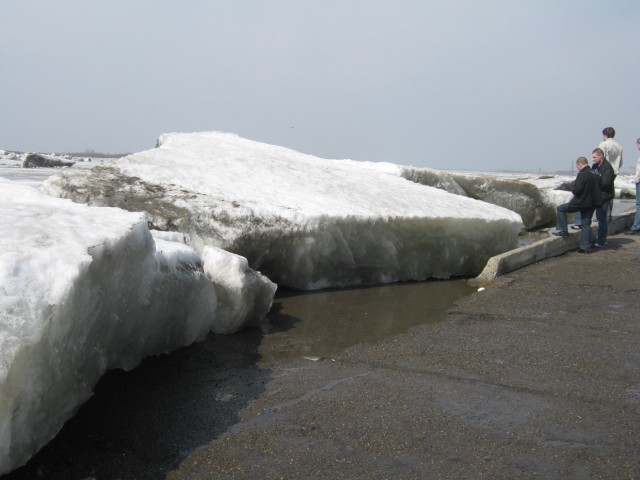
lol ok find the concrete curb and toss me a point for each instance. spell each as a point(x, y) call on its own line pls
point(549, 247)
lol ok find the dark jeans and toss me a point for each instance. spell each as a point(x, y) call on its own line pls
point(585, 215)
point(602, 215)
point(636, 221)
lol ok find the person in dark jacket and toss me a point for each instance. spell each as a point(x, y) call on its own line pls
point(603, 168)
point(586, 198)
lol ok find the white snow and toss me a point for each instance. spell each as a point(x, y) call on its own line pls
point(244, 296)
point(558, 187)
point(625, 186)
point(514, 192)
point(84, 289)
point(305, 222)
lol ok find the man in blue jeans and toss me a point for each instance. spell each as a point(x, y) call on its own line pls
point(635, 228)
point(586, 198)
point(603, 168)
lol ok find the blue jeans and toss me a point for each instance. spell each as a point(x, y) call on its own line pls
point(561, 216)
point(602, 215)
point(585, 215)
point(585, 238)
point(576, 219)
point(636, 223)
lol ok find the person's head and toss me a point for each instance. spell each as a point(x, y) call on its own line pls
point(608, 132)
point(582, 162)
point(638, 143)
point(597, 155)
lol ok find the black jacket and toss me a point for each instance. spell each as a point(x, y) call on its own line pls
point(607, 177)
point(586, 190)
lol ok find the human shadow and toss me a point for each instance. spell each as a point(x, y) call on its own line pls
point(616, 243)
point(141, 424)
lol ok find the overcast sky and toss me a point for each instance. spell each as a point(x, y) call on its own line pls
point(461, 84)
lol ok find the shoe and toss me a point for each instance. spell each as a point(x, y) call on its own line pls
point(583, 251)
point(598, 245)
point(632, 232)
point(560, 234)
point(576, 227)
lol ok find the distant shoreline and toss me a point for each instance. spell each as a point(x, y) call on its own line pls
point(76, 154)
point(96, 154)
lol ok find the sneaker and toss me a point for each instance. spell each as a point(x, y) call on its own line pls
point(560, 234)
point(576, 227)
point(582, 251)
point(598, 245)
point(632, 232)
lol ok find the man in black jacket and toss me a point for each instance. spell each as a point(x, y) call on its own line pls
point(586, 198)
point(603, 168)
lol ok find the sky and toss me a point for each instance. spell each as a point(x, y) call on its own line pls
point(486, 85)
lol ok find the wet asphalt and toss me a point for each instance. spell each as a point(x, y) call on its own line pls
point(536, 376)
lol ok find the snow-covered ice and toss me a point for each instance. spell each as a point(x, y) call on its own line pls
point(38, 160)
point(84, 289)
point(625, 186)
point(533, 196)
point(244, 296)
point(535, 203)
point(303, 221)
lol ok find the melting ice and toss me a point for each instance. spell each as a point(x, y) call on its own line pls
point(303, 221)
point(84, 289)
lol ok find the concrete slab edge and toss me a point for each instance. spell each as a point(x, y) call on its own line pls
point(549, 247)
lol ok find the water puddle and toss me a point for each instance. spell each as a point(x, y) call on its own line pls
point(317, 325)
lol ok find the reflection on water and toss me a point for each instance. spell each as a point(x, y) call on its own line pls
point(320, 324)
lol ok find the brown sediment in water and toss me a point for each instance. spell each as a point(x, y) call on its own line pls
point(320, 324)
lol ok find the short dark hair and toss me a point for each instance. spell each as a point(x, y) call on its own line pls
point(609, 132)
point(598, 151)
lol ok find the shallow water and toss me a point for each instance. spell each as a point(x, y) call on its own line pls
point(321, 324)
